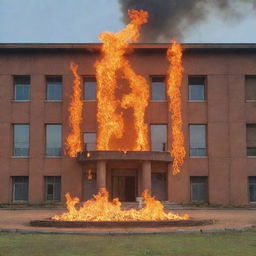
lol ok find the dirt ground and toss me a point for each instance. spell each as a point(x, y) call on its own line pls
point(19, 219)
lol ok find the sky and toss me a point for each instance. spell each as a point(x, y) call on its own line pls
point(80, 21)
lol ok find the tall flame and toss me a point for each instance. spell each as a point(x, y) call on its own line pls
point(112, 63)
point(101, 209)
point(174, 80)
point(73, 140)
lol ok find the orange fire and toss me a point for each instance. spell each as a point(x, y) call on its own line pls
point(113, 64)
point(174, 81)
point(101, 209)
point(89, 177)
point(73, 140)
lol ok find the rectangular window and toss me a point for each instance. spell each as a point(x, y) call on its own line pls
point(54, 88)
point(251, 139)
point(20, 188)
point(252, 189)
point(197, 138)
point(158, 88)
point(196, 88)
point(53, 139)
point(199, 189)
point(21, 140)
point(90, 85)
point(90, 141)
point(52, 188)
point(21, 88)
point(250, 88)
point(158, 137)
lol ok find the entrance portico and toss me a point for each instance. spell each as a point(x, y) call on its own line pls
point(127, 174)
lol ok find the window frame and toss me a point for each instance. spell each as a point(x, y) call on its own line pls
point(13, 189)
point(13, 140)
point(53, 183)
point(249, 183)
point(165, 82)
point(245, 77)
point(167, 136)
point(84, 91)
point(205, 87)
point(206, 140)
point(207, 191)
point(85, 143)
point(246, 149)
point(45, 140)
point(46, 87)
point(14, 77)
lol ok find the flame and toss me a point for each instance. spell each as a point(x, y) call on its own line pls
point(101, 209)
point(174, 80)
point(89, 177)
point(73, 140)
point(112, 63)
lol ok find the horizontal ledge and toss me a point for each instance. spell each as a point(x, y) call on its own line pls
point(120, 224)
point(122, 155)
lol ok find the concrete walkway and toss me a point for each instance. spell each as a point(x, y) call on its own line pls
point(226, 220)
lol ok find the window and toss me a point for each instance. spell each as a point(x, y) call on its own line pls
point(21, 88)
point(199, 189)
point(20, 188)
point(158, 137)
point(251, 139)
point(250, 88)
point(252, 189)
point(197, 138)
point(90, 88)
point(54, 88)
point(90, 141)
point(196, 88)
point(158, 88)
point(53, 139)
point(52, 188)
point(21, 140)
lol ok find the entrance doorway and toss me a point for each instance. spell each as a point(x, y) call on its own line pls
point(90, 186)
point(124, 184)
point(159, 186)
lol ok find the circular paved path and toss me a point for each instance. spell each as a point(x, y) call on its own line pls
point(236, 219)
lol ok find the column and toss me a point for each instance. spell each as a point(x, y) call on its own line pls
point(146, 176)
point(101, 174)
point(170, 186)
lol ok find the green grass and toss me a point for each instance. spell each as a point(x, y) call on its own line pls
point(222, 244)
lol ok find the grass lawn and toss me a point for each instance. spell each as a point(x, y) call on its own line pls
point(235, 244)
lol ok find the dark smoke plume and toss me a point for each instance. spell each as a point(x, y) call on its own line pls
point(173, 18)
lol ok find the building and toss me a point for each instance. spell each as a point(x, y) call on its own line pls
point(219, 116)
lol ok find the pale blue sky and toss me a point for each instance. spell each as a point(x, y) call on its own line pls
point(80, 21)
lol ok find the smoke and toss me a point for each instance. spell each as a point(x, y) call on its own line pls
point(173, 18)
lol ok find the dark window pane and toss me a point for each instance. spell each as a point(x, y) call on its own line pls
point(158, 137)
point(53, 188)
point(250, 88)
point(21, 88)
point(53, 139)
point(251, 139)
point(90, 88)
point(158, 90)
point(20, 188)
point(54, 88)
point(21, 140)
point(199, 189)
point(196, 88)
point(197, 137)
point(56, 192)
point(90, 141)
point(252, 189)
